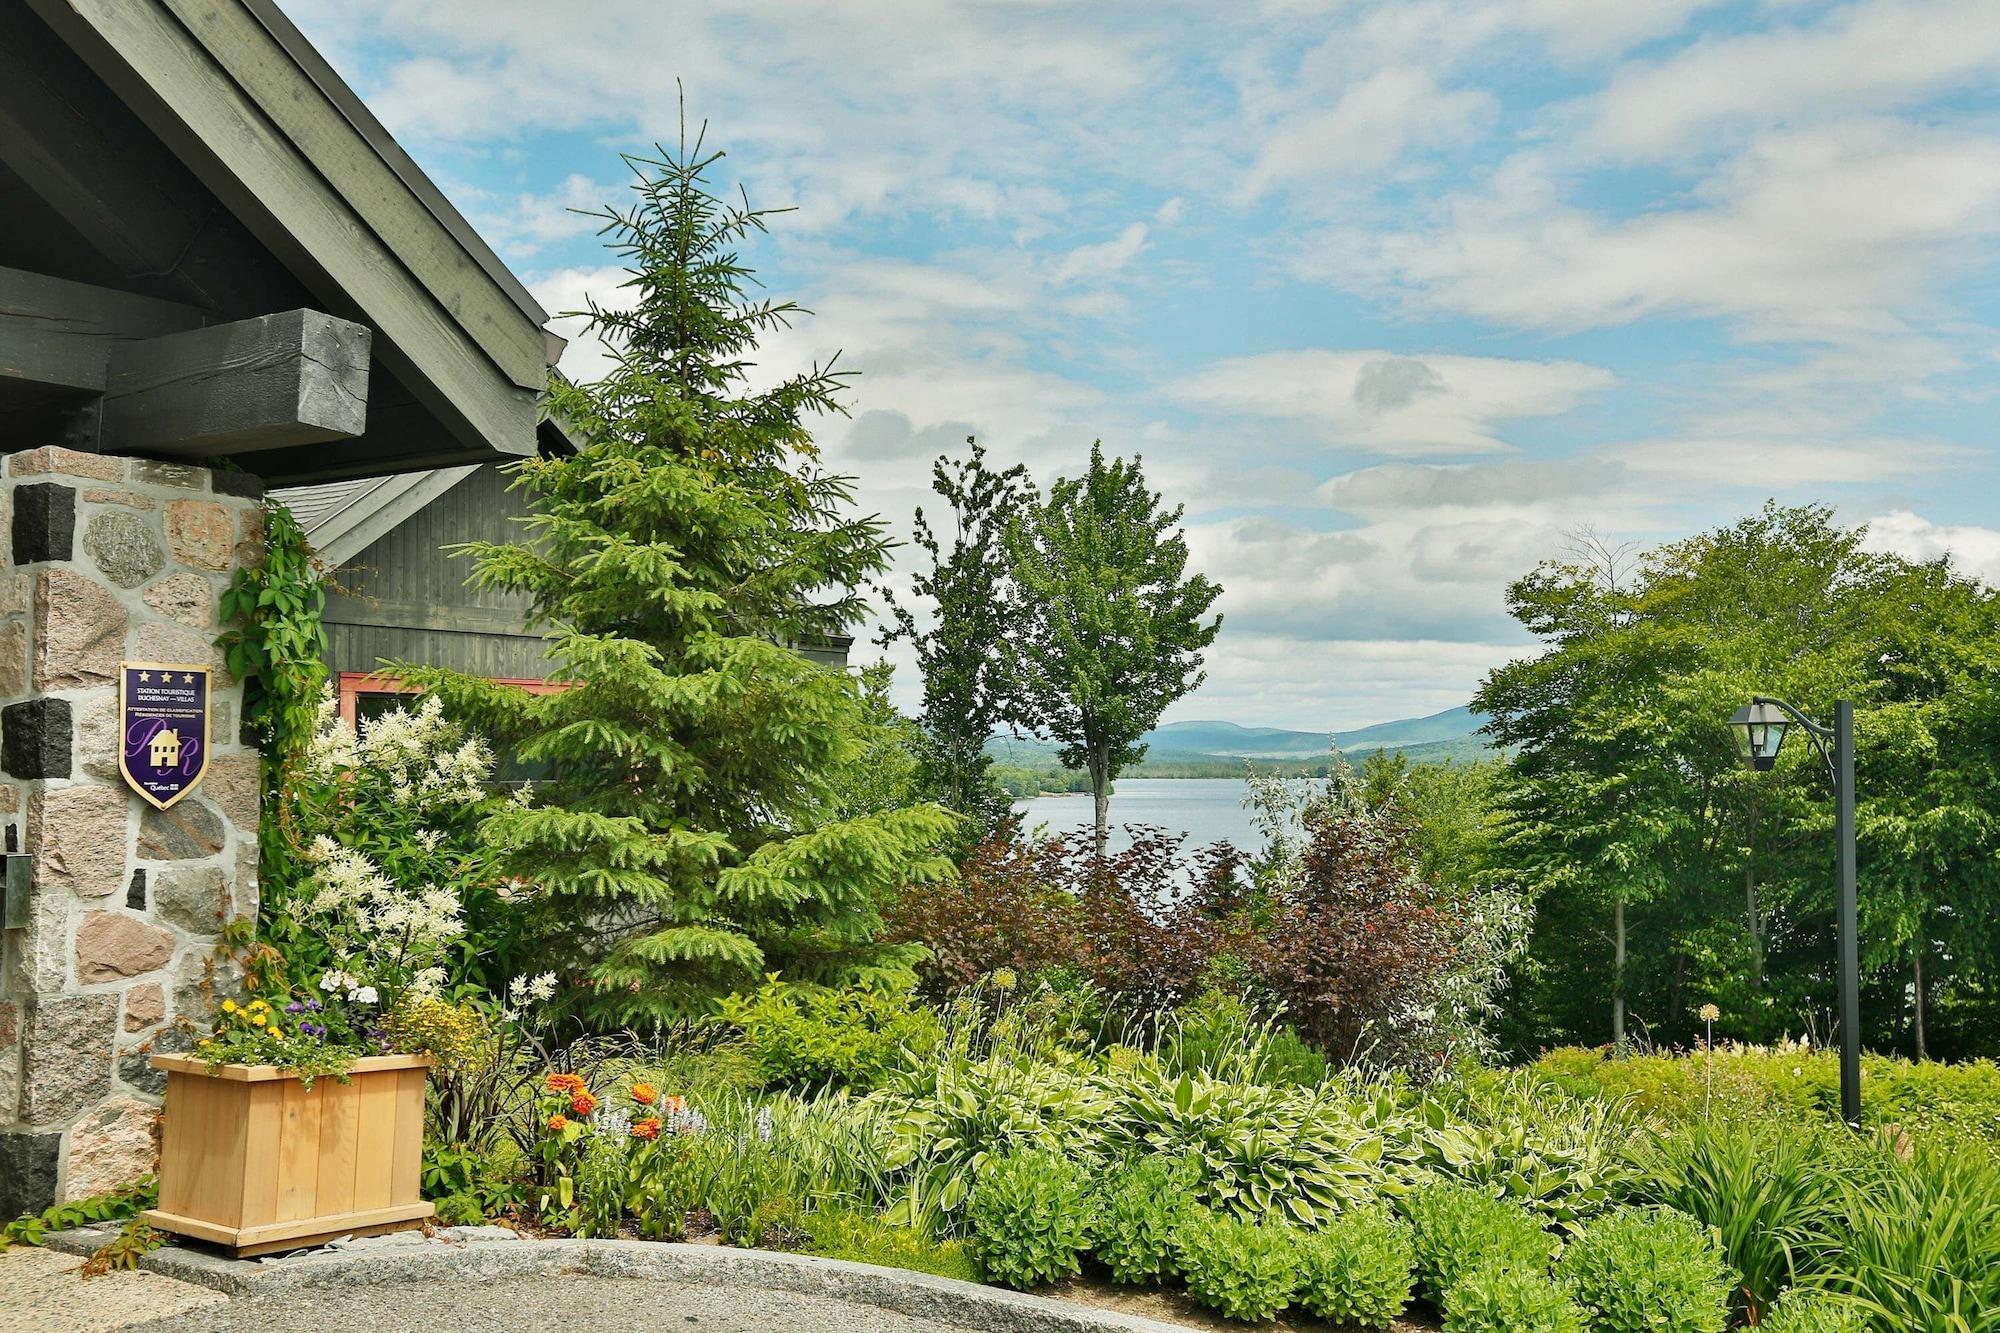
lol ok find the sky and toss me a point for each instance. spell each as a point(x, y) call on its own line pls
point(1393, 297)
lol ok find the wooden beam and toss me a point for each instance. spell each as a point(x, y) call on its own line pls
point(63, 334)
point(372, 613)
point(276, 381)
point(200, 110)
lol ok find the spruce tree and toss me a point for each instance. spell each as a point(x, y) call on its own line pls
point(693, 837)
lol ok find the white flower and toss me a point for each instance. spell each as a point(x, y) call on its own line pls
point(335, 981)
point(615, 1123)
point(763, 1124)
point(363, 995)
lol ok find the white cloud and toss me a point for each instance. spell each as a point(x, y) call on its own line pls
point(1308, 684)
point(1394, 403)
point(1766, 465)
point(1809, 233)
point(1862, 57)
point(1368, 128)
point(1974, 550)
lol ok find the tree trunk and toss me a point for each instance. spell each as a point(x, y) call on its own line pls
point(1918, 969)
point(1618, 975)
point(1099, 764)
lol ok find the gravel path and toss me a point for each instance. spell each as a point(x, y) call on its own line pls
point(41, 1293)
point(536, 1305)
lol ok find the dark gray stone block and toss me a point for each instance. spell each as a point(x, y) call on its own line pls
point(28, 1172)
point(44, 522)
point(35, 738)
point(235, 481)
point(135, 892)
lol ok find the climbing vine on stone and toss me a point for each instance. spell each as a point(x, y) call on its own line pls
point(277, 647)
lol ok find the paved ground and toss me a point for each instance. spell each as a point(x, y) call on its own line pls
point(538, 1305)
point(41, 1293)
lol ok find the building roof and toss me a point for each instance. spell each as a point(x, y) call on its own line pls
point(241, 102)
point(344, 518)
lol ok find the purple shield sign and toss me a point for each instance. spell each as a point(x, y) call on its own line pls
point(163, 717)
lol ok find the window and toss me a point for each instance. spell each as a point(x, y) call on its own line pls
point(365, 696)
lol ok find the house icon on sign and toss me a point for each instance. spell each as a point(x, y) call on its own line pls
point(166, 749)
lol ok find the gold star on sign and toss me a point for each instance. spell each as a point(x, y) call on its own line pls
point(187, 678)
point(145, 677)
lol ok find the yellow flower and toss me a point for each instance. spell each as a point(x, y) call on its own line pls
point(259, 1004)
point(259, 1019)
point(275, 1030)
point(1708, 1013)
point(229, 1006)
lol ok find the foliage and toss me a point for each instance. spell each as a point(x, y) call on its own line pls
point(1282, 1154)
point(1503, 1297)
point(276, 645)
point(1564, 1158)
point(1216, 1029)
point(1110, 627)
point(1625, 812)
point(807, 1037)
point(311, 1036)
point(1356, 1270)
point(1921, 1244)
point(1790, 1081)
point(1365, 954)
point(1648, 1270)
point(1030, 1217)
point(122, 1253)
point(455, 1036)
point(1771, 1191)
point(390, 869)
point(965, 651)
point(112, 1206)
point(1242, 1270)
point(864, 1238)
point(1806, 1311)
point(1458, 1229)
point(693, 838)
point(1139, 1205)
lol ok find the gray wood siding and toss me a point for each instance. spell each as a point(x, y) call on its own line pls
point(405, 599)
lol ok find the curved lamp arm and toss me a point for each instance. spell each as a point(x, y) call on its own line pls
point(1815, 733)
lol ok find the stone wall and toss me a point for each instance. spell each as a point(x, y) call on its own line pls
point(108, 559)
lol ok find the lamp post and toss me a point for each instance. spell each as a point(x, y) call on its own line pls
point(1763, 724)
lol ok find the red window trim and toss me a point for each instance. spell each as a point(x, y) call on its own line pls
point(353, 684)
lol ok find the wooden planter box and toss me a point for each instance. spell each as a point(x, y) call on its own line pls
point(252, 1159)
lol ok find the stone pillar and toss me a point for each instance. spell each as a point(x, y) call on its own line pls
point(107, 559)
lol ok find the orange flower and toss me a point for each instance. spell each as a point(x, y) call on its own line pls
point(565, 1083)
point(648, 1128)
point(673, 1105)
point(583, 1103)
point(644, 1093)
point(558, 1123)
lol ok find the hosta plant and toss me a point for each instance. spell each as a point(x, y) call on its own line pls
point(1805, 1311)
point(1561, 1157)
point(1283, 1154)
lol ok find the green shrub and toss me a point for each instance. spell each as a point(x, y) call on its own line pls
point(1217, 1033)
point(805, 1037)
point(1648, 1270)
point(1503, 1297)
point(864, 1238)
point(1803, 1311)
point(1030, 1218)
point(1456, 1229)
point(1137, 1211)
point(1241, 1270)
point(1770, 1190)
point(1357, 1269)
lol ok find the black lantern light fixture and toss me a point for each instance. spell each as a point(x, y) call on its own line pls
point(1761, 727)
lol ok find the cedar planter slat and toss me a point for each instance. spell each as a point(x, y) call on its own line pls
point(252, 1159)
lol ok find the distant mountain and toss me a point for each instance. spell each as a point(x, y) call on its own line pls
point(1452, 734)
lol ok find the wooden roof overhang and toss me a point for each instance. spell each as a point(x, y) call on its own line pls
point(210, 249)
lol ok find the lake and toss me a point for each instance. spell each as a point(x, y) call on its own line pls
point(1206, 809)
